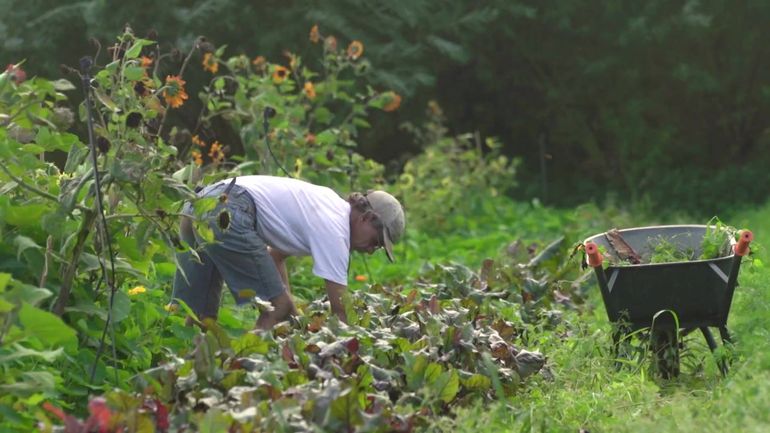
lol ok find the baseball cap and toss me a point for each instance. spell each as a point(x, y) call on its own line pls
point(391, 215)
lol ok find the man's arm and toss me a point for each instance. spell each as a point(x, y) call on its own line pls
point(280, 263)
point(335, 292)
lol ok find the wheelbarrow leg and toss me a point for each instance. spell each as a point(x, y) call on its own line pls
point(713, 346)
point(726, 339)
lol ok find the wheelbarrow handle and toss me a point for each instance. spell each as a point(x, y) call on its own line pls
point(744, 239)
point(594, 256)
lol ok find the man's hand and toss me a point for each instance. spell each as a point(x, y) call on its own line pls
point(335, 292)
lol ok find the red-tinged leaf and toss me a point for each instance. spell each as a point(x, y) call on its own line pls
point(161, 416)
point(71, 424)
point(486, 272)
point(287, 354)
point(352, 345)
point(55, 410)
point(500, 351)
point(351, 365)
point(316, 323)
point(100, 413)
point(411, 297)
point(433, 305)
point(505, 329)
point(526, 296)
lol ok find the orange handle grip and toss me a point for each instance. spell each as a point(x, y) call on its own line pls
point(594, 256)
point(744, 239)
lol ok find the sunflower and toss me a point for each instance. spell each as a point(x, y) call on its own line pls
point(394, 103)
point(315, 35)
point(174, 92)
point(355, 49)
point(216, 153)
point(210, 63)
point(279, 74)
point(309, 90)
point(145, 61)
point(197, 141)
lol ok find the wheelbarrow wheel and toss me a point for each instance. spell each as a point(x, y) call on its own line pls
point(664, 344)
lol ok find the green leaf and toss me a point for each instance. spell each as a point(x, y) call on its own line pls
point(326, 137)
point(432, 372)
point(32, 382)
point(249, 344)
point(136, 49)
point(121, 307)
point(347, 409)
point(213, 421)
point(477, 382)
point(20, 351)
point(63, 85)
point(5, 306)
point(23, 243)
point(447, 385)
point(415, 370)
point(133, 73)
point(4, 279)
point(47, 327)
point(26, 216)
point(323, 116)
point(106, 100)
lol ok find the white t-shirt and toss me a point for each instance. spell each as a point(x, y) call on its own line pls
point(301, 219)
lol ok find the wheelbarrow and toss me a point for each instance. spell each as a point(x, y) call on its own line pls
point(669, 299)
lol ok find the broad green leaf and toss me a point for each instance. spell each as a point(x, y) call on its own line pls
point(26, 216)
point(106, 100)
point(447, 385)
point(47, 327)
point(326, 138)
point(432, 372)
point(4, 279)
point(22, 292)
point(249, 344)
point(477, 382)
point(213, 421)
point(5, 306)
point(205, 204)
point(121, 307)
point(23, 243)
point(136, 49)
point(415, 370)
point(133, 73)
point(347, 409)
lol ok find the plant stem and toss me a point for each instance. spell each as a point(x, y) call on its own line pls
point(69, 272)
point(181, 72)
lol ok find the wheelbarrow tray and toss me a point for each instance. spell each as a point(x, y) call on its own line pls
point(699, 292)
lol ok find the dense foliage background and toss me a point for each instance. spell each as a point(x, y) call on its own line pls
point(664, 103)
point(487, 320)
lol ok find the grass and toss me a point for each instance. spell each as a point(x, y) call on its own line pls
point(586, 392)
